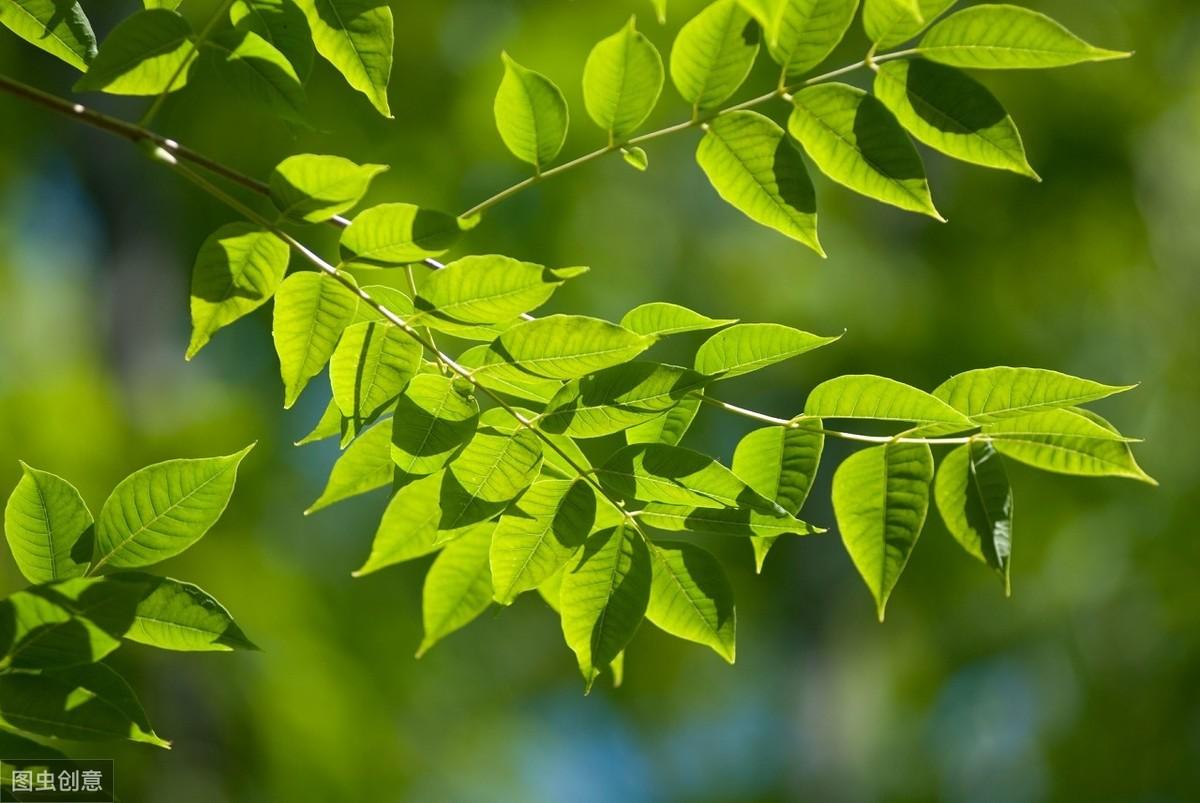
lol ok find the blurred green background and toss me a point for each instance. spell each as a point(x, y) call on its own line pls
point(1084, 686)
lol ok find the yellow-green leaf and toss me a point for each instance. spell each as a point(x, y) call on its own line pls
point(148, 53)
point(311, 310)
point(397, 234)
point(622, 79)
point(691, 598)
point(48, 527)
point(714, 53)
point(57, 26)
point(356, 37)
point(531, 114)
point(313, 188)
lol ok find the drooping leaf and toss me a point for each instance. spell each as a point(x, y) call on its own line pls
point(660, 318)
point(397, 234)
point(84, 703)
point(880, 498)
point(1065, 442)
point(161, 510)
point(364, 466)
point(329, 425)
point(371, 365)
point(144, 53)
point(173, 615)
point(882, 399)
point(434, 418)
point(757, 525)
point(311, 311)
point(531, 115)
point(48, 527)
point(604, 597)
point(238, 269)
point(617, 398)
point(691, 598)
point(252, 67)
point(780, 463)
point(999, 37)
point(953, 113)
point(281, 23)
point(856, 141)
point(747, 347)
point(312, 188)
point(671, 426)
point(497, 466)
point(989, 394)
point(356, 37)
point(622, 79)
point(490, 367)
point(802, 33)
point(57, 26)
point(539, 534)
point(655, 472)
point(458, 586)
point(409, 527)
point(756, 169)
point(489, 289)
point(714, 53)
point(53, 626)
point(976, 502)
point(890, 22)
point(570, 346)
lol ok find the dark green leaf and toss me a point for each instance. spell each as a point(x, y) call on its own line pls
point(976, 503)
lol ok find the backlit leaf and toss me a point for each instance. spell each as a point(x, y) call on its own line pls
point(691, 598)
point(142, 55)
point(539, 534)
point(356, 37)
point(489, 289)
point(249, 65)
point(52, 626)
point(409, 527)
point(570, 346)
point(57, 26)
point(890, 22)
point(496, 466)
point(531, 114)
point(748, 347)
point(1065, 442)
point(714, 53)
point(617, 398)
point(802, 33)
point(976, 502)
point(396, 234)
point(48, 527)
point(434, 418)
point(880, 398)
point(671, 426)
point(458, 586)
point(655, 472)
point(281, 23)
point(364, 466)
point(491, 368)
point(313, 188)
point(988, 394)
point(311, 311)
point(660, 318)
point(372, 364)
point(622, 79)
point(731, 522)
point(174, 615)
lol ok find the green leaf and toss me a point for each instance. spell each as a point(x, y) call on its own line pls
point(161, 510)
point(497, 466)
point(670, 427)
point(489, 289)
point(53, 626)
point(636, 158)
point(617, 398)
point(238, 269)
point(491, 368)
point(57, 26)
point(48, 527)
point(249, 65)
point(538, 535)
point(143, 54)
point(856, 141)
point(364, 466)
point(371, 366)
point(691, 598)
point(880, 498)
point(802, 33)
point(748, 347)
point(890, 22)
point(313, 188)
point(458, 586)
point(659, 318)
point(881, 399)
point(989, 394)
point(604, 597)
point(1065, 442)
point(714, 53)
point(311, 311)
point(435, 418)
point(397, 234)
point(281, 23)
point(759, 172)
point(622, 79)
point(85, 703)
point(660, 11)
point(329, 425)
point(729, 522)
point(531, 114)
point(976, 502)
point(656, 472)
point(1000, 37)
point(356, 37)
point(570, 346)
point(953, 113)
point(173, 615)
point(409, 528)
point(780, 463)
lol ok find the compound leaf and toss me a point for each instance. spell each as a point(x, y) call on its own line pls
point(617, 398)
point(656, 472)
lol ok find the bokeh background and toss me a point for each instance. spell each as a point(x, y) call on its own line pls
point(1084, 686)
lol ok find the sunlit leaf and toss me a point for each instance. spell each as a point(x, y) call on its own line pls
point(988, 394)
point(976, 502)
point(311, 311)
point(604, 597)
point(52, 626)
point(622, 79)
point(1007, 37)
point(617, 398)
point(148, 53)
point(714, 53)
point(238, 269)
point(570, 346)
point(396, 234)
point(660, 318)
point(173, 615)
point(671, 426)
point(491, 368)
point(732, 522)
point(356, 37)
point(636, 158)
point(691, 598)
point(890, 22)
point(313, 188)
point(531, 114)
point(539, 534)
point(458, 586)
point(880, 398)
point(281, 23)
point(881, 498)
point(656, 472)
point(434, 418)
point(489, 289)
point(249, 65)
point(953, 113)
point(496, 466)
point(409, 527)
point(48, 527)
point(364, 466)
point(370, 367)
point(57, 26)
point(748, 347)
point(856, 141)
point(758, 171)
point(1065, 442)
point(802, 33)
